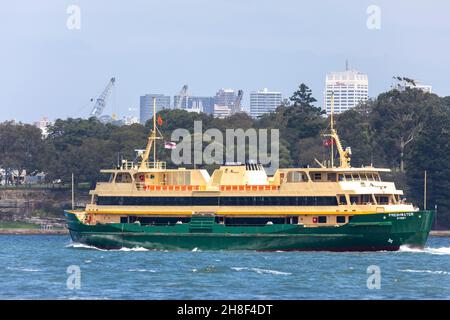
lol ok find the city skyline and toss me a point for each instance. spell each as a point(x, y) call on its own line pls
point(275, 46)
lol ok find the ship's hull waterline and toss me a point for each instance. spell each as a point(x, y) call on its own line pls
point(366, 232)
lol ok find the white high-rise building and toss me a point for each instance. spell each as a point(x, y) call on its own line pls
point(264, 101)
point(350, 88)
point(43, 125)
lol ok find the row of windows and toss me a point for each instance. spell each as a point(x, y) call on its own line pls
point(228, 221)
point(217, 201)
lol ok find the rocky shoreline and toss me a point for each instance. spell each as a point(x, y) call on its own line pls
point(34, 231)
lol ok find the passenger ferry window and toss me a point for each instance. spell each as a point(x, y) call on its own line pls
point(331, 177)
point(341, 177)
point(383, 200)
point(355, 177)
point(317, 176)
point(296, 176)
point(123, 178)
point(342, 200)
point(340, 219)
point(322, 219)
point(366, 198)
point(106, 177)
point(348, 177)
point(354, 200)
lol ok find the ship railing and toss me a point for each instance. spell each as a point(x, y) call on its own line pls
point(158, 165)
point(128, 165)
point(249, 187)
point(154, 187)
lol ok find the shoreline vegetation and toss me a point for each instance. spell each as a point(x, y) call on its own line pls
point(21, 227)
point(404, 130)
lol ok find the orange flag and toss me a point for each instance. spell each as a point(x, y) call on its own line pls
point(160, 121)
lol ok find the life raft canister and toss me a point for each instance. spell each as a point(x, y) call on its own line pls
point(88, 218)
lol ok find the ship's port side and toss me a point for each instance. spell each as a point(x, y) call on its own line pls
point(209, 231)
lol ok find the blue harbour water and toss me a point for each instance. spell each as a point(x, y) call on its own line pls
point(35, 267)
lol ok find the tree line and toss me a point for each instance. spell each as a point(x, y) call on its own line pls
point(407, 131)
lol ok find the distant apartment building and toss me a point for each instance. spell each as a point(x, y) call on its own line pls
point(221, 111)
point(146, 105)
point(225, 97)
point(43, 125)
point(195, 103)
point(350, 88)
point(264, 101)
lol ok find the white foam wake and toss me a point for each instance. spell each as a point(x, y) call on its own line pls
point(141, 270)
point(261, 271)
point(85, 246)
point(23, 269)
point(426, 271)
point(439, 251)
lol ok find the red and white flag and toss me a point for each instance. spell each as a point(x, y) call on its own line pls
point(170, 145)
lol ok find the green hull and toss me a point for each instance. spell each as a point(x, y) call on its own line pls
point(369, 232)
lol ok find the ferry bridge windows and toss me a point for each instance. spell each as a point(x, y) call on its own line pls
point(123, 177)
point(297, 176)
point(106, 177)
point(331, 177)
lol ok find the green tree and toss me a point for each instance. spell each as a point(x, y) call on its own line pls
point(21, 147)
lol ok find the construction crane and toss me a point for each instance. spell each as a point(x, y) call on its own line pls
point(237, 102)
point(183, 94)
point(100, 104)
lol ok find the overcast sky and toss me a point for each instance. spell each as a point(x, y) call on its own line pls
point(157, 46)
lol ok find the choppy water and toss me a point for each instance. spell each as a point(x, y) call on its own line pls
point(35, 267)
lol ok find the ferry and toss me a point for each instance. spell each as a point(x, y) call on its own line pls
point(239, 207)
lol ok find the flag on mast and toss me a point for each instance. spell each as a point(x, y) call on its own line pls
point(159, 120)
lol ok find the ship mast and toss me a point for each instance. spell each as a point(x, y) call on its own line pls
point(344, 155)
point(151, 142)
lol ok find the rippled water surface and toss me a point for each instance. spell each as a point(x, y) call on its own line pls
point(36, 267)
